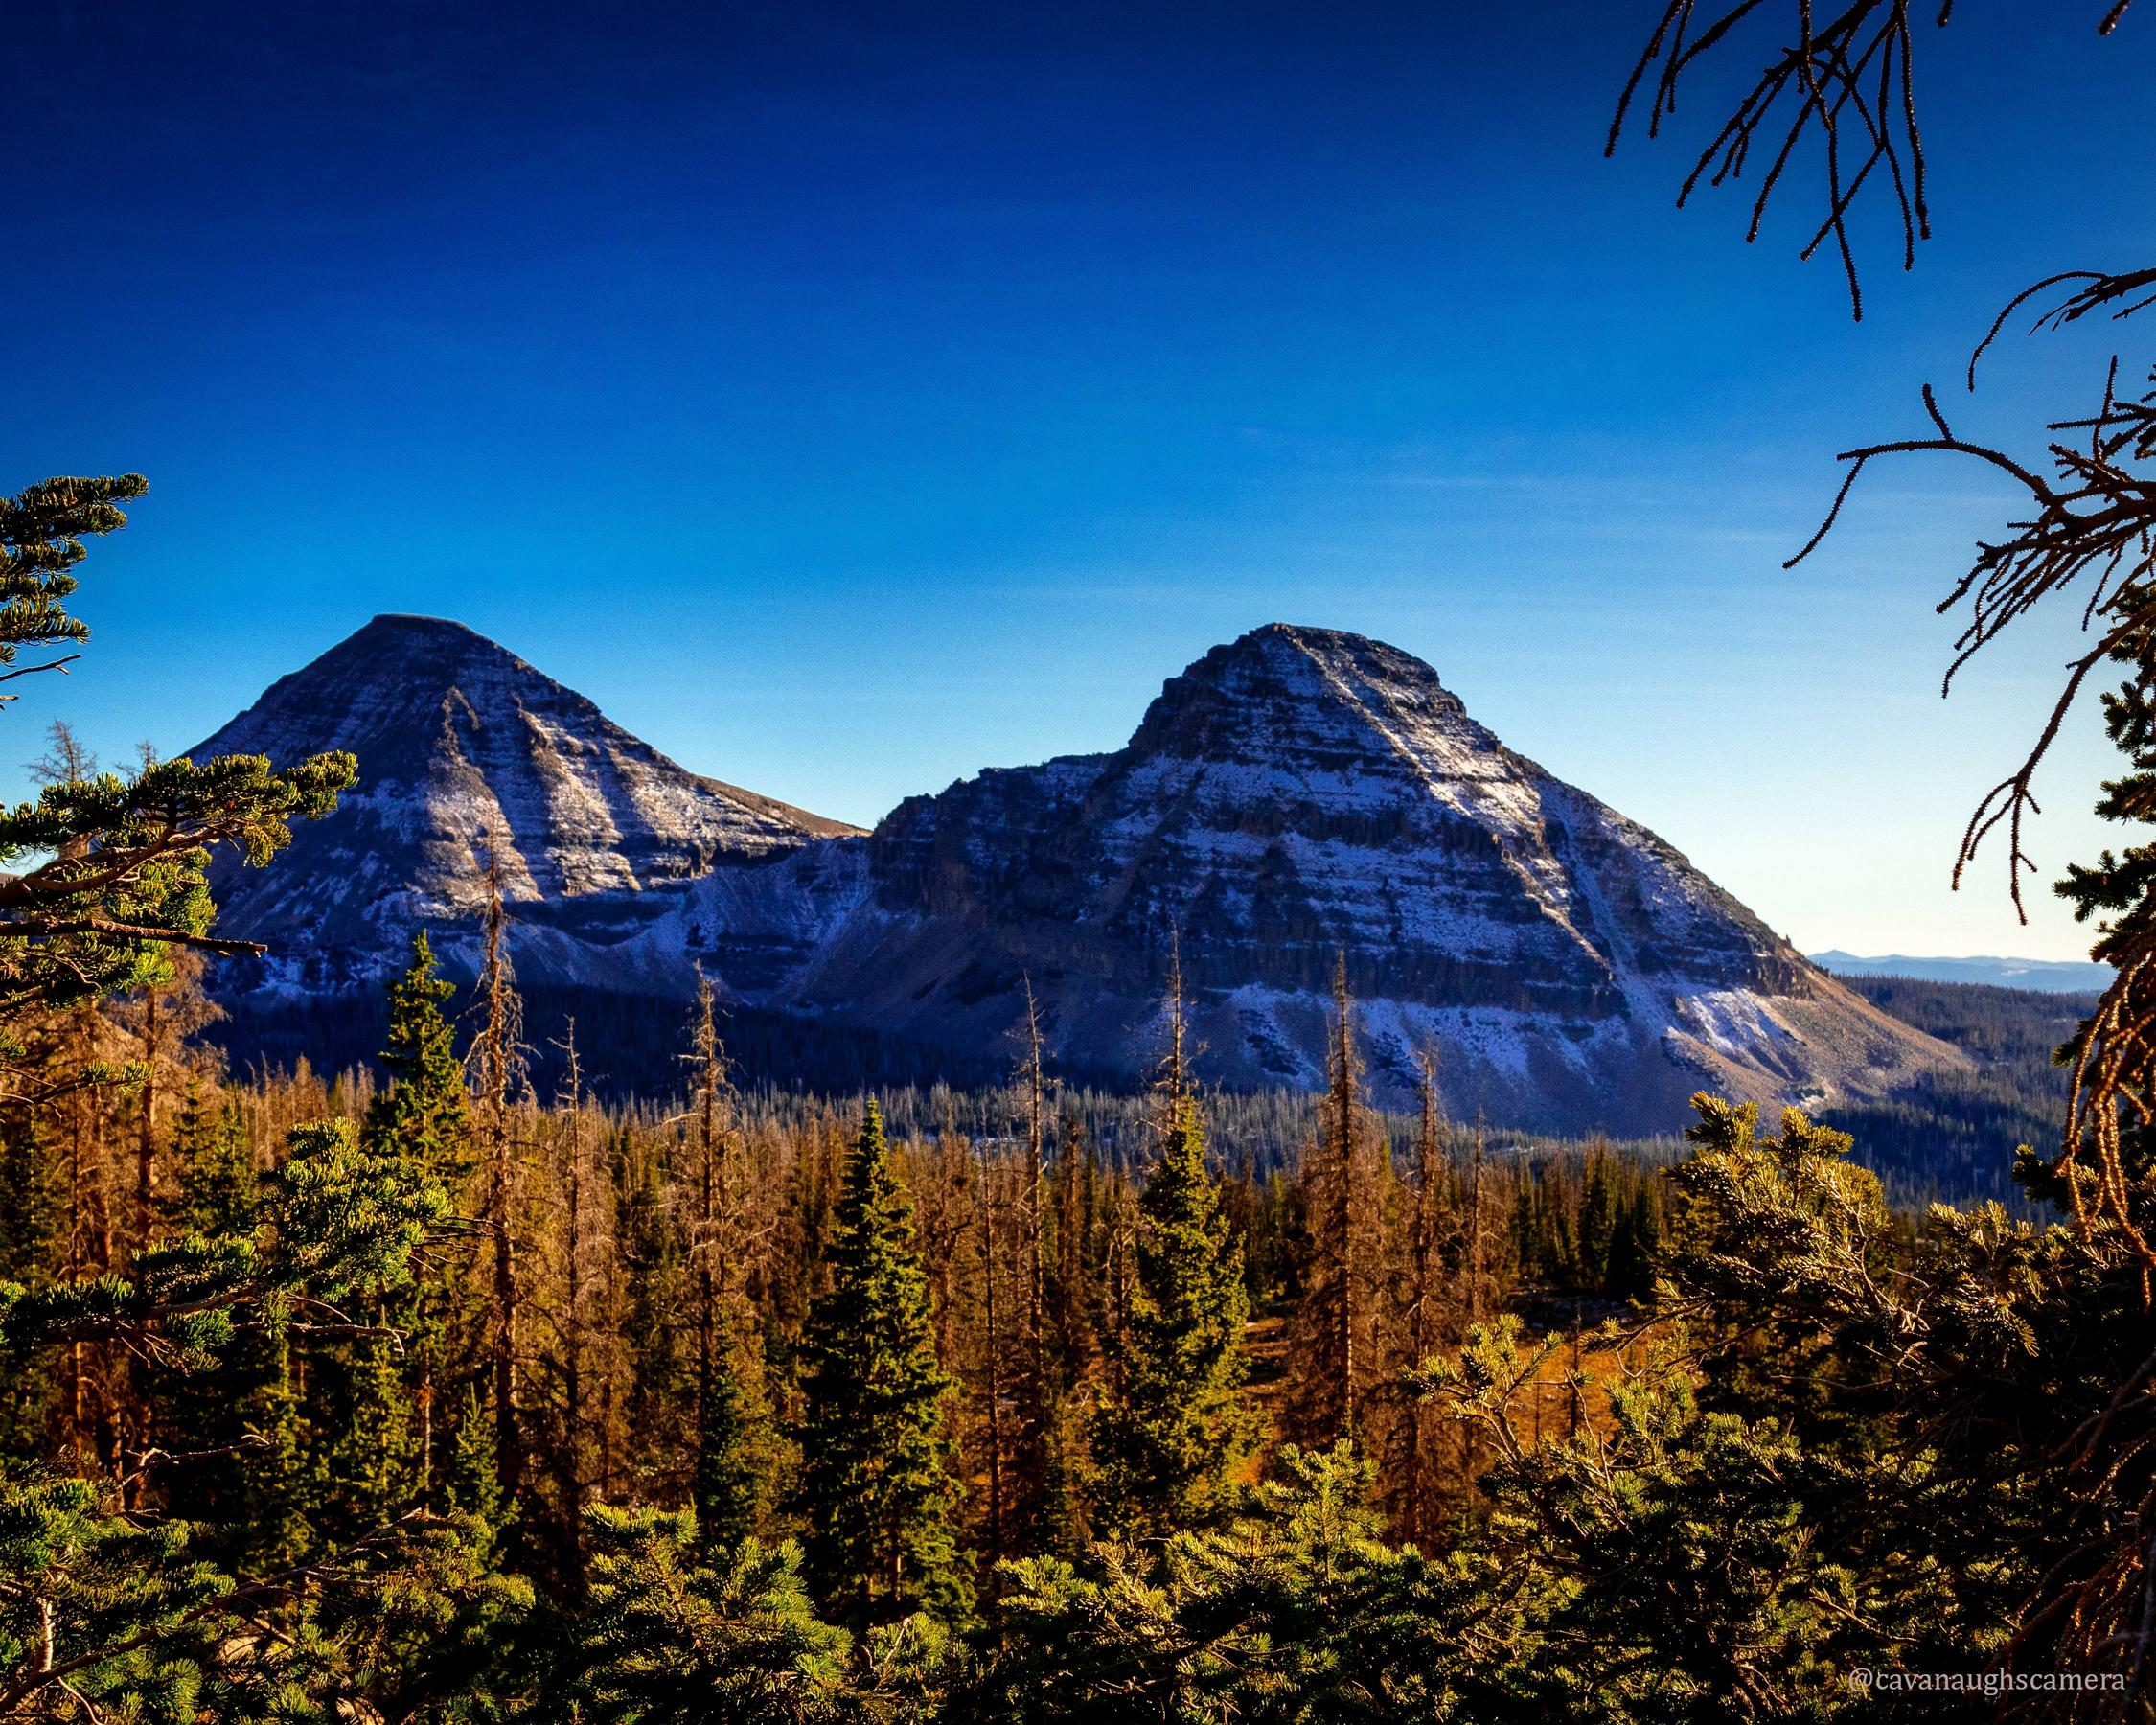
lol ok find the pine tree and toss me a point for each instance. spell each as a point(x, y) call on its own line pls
point(659, 1402)
point(367, 1426)
point(160, 1024)
point(1173, 1431)
point(371, 1402)
point(76, 932)
point(275, 1484)
point(874, 1483)
point(473, 1488)
point(497, 1061)
point(214, 1163)
point(1600, 1218)
point(33, 1198)
point(727, 1479)
point(2113, 1053)
point(424, 1115)
point(678, 1634)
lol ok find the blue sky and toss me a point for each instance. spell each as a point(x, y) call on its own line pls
point(848, 398)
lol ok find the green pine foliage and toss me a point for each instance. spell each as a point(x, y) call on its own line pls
point(473, 1487)
point(657, 1340)
point(77, 930)
point(218, 1184)
point(426, 1114)
point(1171, 1436)
point(95, 1606)
point(2119, 889)
point(875, 1481)
point(41, 535)
point(362, 1435)
point(369, 1398)
point(682, 1628)
point(33, 1241)
point(337, 1220)
point(728, 1481)
point(114, 869)
point(1295, 1609)
point(276, 1485)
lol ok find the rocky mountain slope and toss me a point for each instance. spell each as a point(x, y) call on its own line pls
point(467, 751)
point(1293, 794)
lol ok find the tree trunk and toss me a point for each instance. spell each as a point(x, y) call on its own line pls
point(146, 1139)
point(991, 1349)
point(1341, 1246)
point(498, 1052)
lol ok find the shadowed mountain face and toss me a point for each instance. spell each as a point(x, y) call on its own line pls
point(1293, 795)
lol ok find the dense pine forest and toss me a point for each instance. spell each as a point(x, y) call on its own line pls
point(1939, 1137)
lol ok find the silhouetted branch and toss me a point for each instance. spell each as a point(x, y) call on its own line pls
point(1844, 82)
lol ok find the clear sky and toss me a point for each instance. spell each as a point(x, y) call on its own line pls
point(849, 397)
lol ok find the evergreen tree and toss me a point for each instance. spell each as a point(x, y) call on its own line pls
point(371, 1401)
point(732, 1638)
point(217, 1183)
point(123, 879)
point(423, 1119)
point(874, 1483)
point(1600, 1218)
point(727, 1481)
point(473, 1488)
point(657, 1347)
point(1169, 1438)
point(424, 1115)
point(250, 1485)
point(33, 1203)
point(275, 1484)
point(366, 1443)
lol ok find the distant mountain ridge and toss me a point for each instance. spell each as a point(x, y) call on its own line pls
point(2046, 976)
point(1294, 795)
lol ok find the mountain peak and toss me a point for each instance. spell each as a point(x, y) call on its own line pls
point(386, 690)
point(1298, 798)
point(468, 754)
point(416, 623)
point(1308, 636)
point(409, 633)
point(1289, 685)
point(1287, 642)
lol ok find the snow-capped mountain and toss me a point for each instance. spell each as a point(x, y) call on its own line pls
point(1293, 796)
point(467, 751)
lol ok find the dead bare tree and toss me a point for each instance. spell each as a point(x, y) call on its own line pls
point(497, 1063)
point(2087, 515)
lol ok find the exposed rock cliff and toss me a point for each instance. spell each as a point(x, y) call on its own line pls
point(1294, 795)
